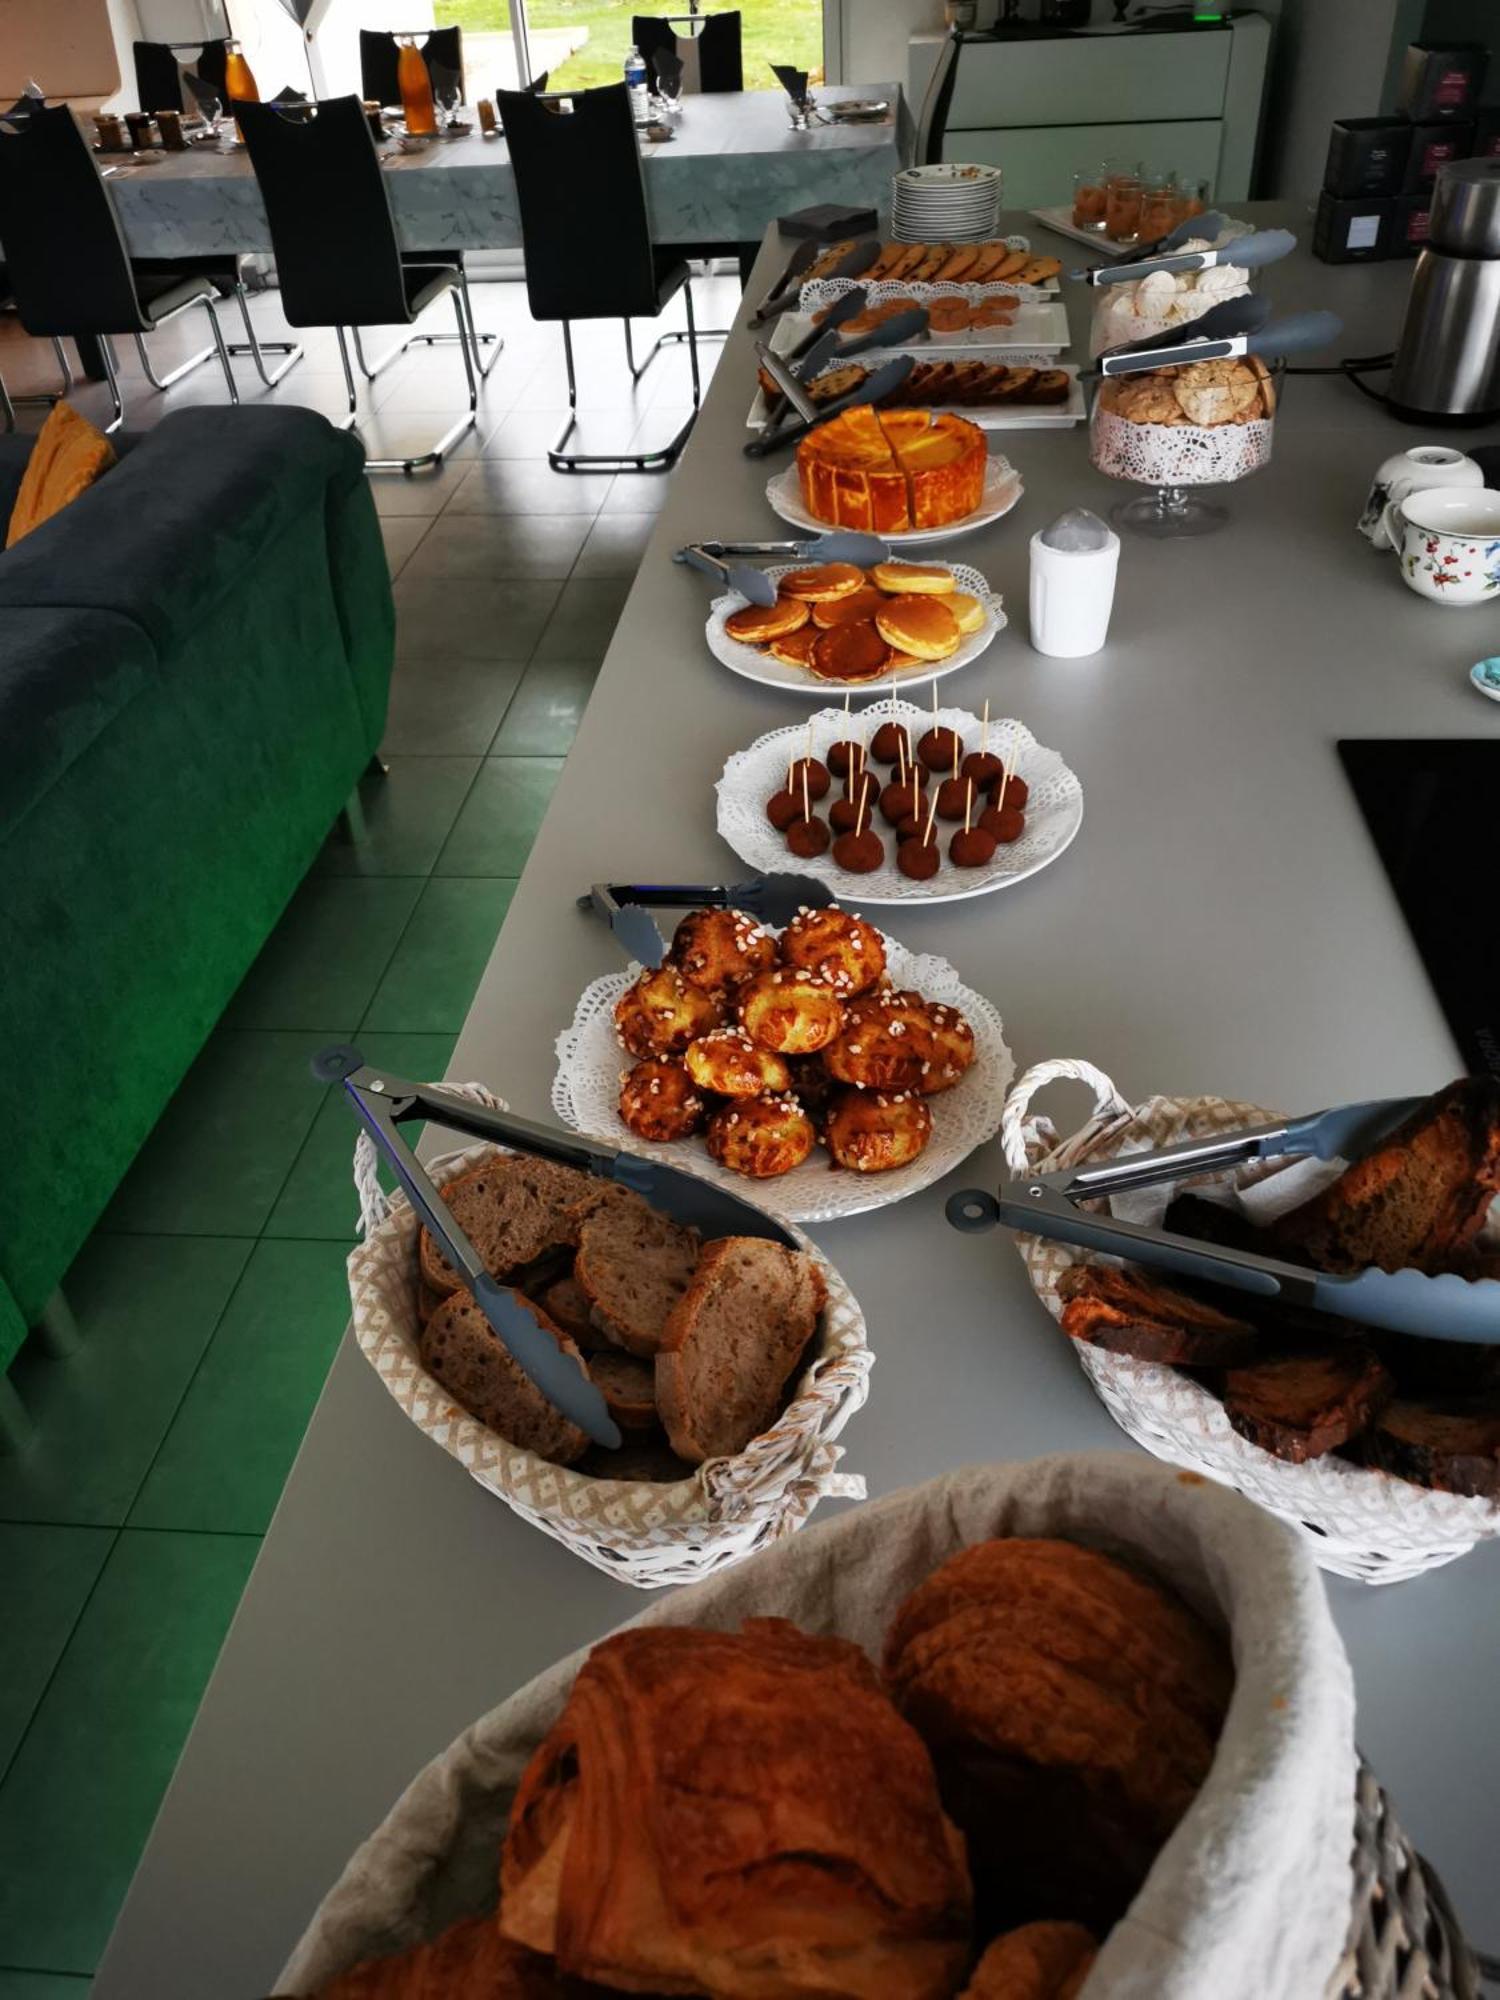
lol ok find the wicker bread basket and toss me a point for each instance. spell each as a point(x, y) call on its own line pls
point(1288, 1876)
point(1358, 1522)
point(645, 1533)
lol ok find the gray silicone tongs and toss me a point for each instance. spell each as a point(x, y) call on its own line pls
point(1447, 1307)
point(1298, 334)
point(384, 1103)
point(717, 559)
point(1262, 246)
point(626, 906)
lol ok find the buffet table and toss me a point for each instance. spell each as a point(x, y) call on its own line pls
point(1221, 924)
point(734, 164)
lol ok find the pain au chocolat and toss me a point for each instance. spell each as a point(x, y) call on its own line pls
point(888, 471)
point(736, 1813)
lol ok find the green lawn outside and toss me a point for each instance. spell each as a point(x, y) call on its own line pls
point(788, 31)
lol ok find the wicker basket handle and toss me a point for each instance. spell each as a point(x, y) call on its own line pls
point(1024, 1140)
point(374, 1203)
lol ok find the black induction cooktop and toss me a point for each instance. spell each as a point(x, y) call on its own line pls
point(1433, 809)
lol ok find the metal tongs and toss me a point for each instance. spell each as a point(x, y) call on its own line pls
point(384, 1103)
point(1447, 1307)
point(774, 899)
point(787, 290)
point(1261, 246)
point(878, 384)
point(1200, 341)
point(719, 559)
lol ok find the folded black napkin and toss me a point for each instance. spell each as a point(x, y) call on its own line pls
point(792, 81)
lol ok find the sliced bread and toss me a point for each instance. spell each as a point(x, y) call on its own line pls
point(732, 1343)
point(513, 1211)
point(628, 1386)
point(634, 1265)
point(1130, 1312)
point(1299, 1406)
point(460, 1349)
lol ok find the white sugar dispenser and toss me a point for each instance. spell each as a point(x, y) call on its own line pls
point(1073, 566)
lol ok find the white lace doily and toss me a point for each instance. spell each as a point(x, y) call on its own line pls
point(1054, 810)
point(590, 1063)
point(822, 292)
point(756, 665)
point(1002, 489)
point(1178, 454)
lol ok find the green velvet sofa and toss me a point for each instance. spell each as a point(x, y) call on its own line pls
point(194, 664)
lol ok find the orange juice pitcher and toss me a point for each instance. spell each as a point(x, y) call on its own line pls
point(416, 88)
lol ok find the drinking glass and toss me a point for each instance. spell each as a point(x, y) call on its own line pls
point(211, 110)
point(669, 90)
point(447, 98)
point(1192, 199)
point(1088, 199)
point(1158, 206)
point(1122, 208)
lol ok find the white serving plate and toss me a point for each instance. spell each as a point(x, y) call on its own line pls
point(755, 665)
point(1040, 327)
point(1061, 220)
point(1002, 489)
point(1054, 811)
point(586, 1090)
point(995, 417)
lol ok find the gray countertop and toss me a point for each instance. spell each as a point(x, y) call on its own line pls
point(1220, 925)
point(734, 164)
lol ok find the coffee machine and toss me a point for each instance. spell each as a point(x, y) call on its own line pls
point(1447, 365)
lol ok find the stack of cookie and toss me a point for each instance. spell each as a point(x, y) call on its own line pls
point(1205, 393)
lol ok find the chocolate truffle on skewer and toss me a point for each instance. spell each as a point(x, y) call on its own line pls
point(971, 846)
point(940, 748)
point(807, 836)
point(861, 851)
point(954, 795)
point(784, 806)
point(919, 856)
point(846, 756)
point(889, 742)
point(844, 813)
point(982, 765)
point(1005, 822)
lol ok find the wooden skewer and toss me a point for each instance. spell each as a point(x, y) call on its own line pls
point(806, 806)
point(859, 814)
point(1009, 772)
point(958, 744)
point(968, 802)
point(984, 734)
point(931, 821)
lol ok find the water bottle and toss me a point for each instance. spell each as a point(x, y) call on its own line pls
point(635, 83)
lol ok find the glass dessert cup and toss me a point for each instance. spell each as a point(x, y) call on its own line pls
point(1175, 461)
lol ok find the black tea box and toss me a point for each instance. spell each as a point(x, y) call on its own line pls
point(1367, 156)
point(1353, 231)
point(1433, 146)
point(1441, 80)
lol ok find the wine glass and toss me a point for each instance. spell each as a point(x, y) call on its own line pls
point(669, 90)
point(446, 94)
point(212, 110)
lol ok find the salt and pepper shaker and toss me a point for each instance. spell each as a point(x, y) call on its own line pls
point(1073, 566)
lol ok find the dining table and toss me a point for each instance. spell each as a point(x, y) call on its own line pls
point(1220, 925)
point(733, 163)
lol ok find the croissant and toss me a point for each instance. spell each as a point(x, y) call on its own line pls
point(738, 1814)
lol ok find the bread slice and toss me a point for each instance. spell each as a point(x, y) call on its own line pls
point(634, 1265)
point(628, 1385)
point(460, 1349)
point(1454, 1446)
point(1129, 1312)
point(1302, 1405)
point(1420, 1199)
point(732, 1343)
point(566, 1302)
point(514, 1211)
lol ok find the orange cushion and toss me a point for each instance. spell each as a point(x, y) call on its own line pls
point(68, 456)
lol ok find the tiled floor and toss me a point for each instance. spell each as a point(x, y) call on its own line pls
point(212, 1295)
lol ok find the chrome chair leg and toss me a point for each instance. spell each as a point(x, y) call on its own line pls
point(674, 337)
point(7, 407)
point(223, 351)
point(258, 349)
point(64, 368)
point(112, 381)
point(435, 456)
point(660, 460)
point(44, 398)
point(176, 374)
point(347, 423)
point(391, 354)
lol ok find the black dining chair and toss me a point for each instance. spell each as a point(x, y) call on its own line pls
point(159, 87)
point(65, 256)
point(8, 403)
point(158, 71)
point(937, 101)
point(334, 240)
point(379, 54)
point(586, 238)
point(710, 54)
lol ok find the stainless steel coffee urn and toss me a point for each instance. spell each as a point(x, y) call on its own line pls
point(1447, 365)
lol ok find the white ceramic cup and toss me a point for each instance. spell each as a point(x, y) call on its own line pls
point(1447, 540)
point(1072, 594)
point(1418, 469)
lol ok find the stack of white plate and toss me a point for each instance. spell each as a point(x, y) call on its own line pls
point(950, 203)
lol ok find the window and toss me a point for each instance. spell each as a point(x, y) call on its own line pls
point(583, 42)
